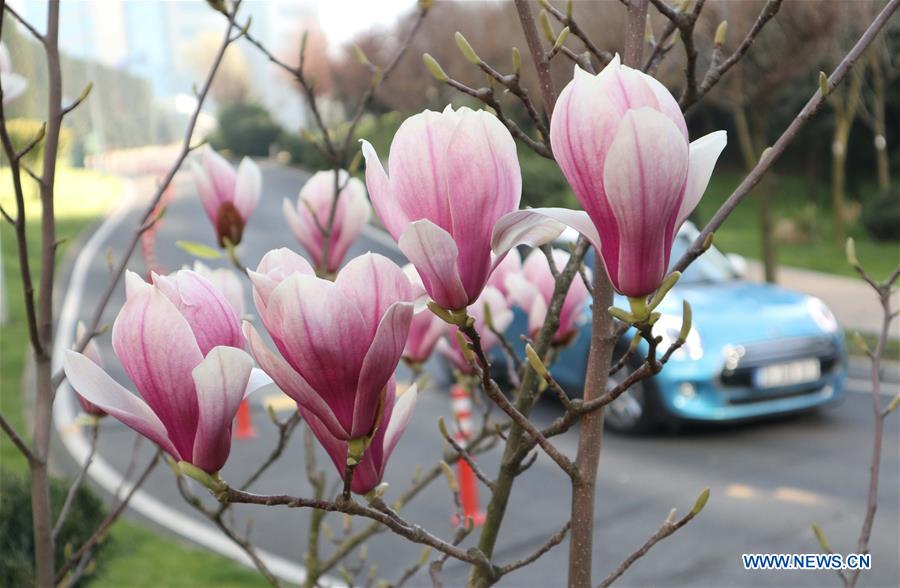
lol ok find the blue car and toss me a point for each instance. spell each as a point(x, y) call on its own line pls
point(755, 350)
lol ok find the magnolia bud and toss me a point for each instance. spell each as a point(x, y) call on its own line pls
point(435, 68)
point(701, 502)
point(721, 32)
point(563, 35)
point(466, 49)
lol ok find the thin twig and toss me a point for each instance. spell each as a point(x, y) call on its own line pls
point(668, 527)
point(28, 26)
point(716, 71)
point(112, 517)
point(73, 489)
point(16, 439)
point(412, 532)
point(551, 542)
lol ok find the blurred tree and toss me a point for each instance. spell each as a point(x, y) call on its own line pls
point(764, 82)
point(232, 84)
point(883, 69)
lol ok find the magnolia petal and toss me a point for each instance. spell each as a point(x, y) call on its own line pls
point(323, 336)
point(356, 213)
point(290, 382)
point(227, 282)
point(434, 253)
point(404, 405)
point(89, 380)
point(705, 152)
point(537, 226)
point(418, 166)
point(380, 363)
point(158, 350)
point(211, 316)
point(644, 176)
point(386, 207)
point(247, 187)
point(484, 183)
point(205, 190)
point(220, 381)
point(221, 175)
point(373, 283)
point(14, 85)
point(273, 268)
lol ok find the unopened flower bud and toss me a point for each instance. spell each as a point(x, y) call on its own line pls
point(435, 68)
point(466, 49)
point(721, 33)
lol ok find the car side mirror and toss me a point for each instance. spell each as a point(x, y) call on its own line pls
point(738, 264)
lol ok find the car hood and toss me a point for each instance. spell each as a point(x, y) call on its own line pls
point(743, 312)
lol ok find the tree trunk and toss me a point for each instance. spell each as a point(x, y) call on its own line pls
point(882, 161)
point(42, 523)
point(750, 141)
point(838, 180)
point(584, 486)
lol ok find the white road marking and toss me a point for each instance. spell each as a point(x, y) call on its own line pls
point(862, 386)
point(101, 471)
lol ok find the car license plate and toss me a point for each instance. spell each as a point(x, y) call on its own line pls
point(787, 374)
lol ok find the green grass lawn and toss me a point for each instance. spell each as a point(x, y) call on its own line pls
point(135, 556)
point(794, 199)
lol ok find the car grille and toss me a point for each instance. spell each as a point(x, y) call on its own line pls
point(752, 356)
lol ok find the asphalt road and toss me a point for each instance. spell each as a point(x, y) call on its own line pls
point(769, 481)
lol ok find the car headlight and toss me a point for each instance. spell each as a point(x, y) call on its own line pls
point(669, 327)
point(821, 314)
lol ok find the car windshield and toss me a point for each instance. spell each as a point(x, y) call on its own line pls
point(712, 266)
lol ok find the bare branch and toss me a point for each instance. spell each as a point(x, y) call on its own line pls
point(111, 518)
point(716, 71)
point(16, 439)
point(536, 48)
point(811, 108)
point(76, 484)
point(552, 542)
point(34, 32)
point(668, 527)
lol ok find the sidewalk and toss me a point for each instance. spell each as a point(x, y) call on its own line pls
point(853, 302)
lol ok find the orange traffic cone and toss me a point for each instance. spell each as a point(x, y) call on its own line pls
point(244, 421)
point(468, 483)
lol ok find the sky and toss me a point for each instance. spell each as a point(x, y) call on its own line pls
point(342, 19)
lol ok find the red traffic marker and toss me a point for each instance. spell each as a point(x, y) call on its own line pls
point(244, 421)
point(468, 483)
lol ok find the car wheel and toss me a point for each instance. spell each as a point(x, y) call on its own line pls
point(634, 411)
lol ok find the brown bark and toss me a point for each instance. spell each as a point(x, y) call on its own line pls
point(584, 485)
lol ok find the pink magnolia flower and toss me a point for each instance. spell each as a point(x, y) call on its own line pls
point(622, 143)
point(177, 340)
point(370, 470)
point(532, 290)
point(313, 209)
point(92, 352)
point(452, 175)
point(13, 84)
point(501, 315)
point(228, 198)
point(511, 265)
point(425, 329)
point(227, 282)
point(339, 342)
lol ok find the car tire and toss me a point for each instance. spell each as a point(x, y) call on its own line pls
point(636, 411)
